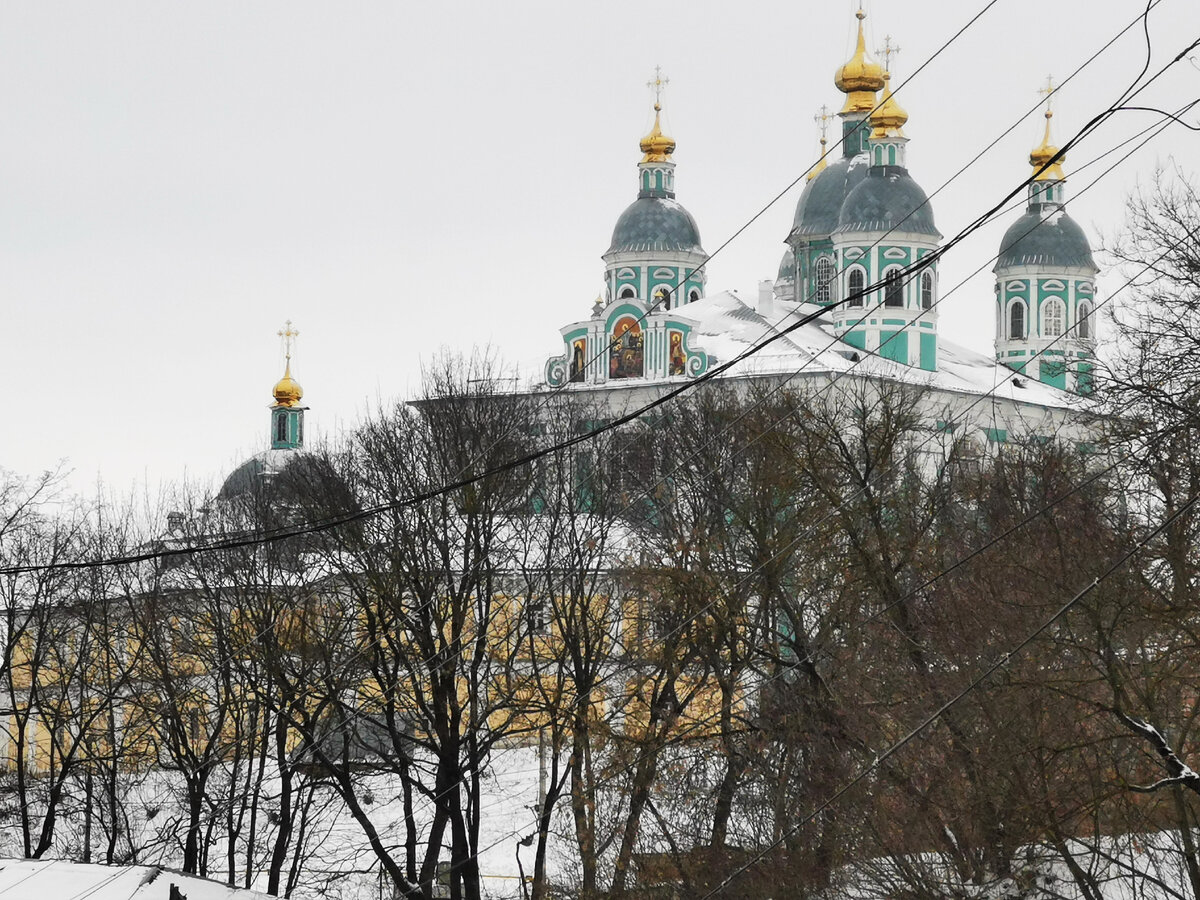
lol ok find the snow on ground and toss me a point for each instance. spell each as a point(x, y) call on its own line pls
point(55, 879)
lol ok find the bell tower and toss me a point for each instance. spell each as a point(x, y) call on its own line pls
point(287, 415)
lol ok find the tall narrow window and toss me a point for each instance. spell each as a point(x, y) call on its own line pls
point(1016, 321)
point(926, 290)
point(281, 426)
point(1052, 318)
point(1085, 321)
point(856, 284)
point(893, 289)
point(826, 291)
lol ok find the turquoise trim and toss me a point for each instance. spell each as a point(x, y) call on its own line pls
point(929, 352)
point(894, 348)
point(996, 435)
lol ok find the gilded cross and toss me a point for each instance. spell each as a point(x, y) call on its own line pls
point(288, 333)
point(887, 51)
point(1048, 90)
point(823, 118)
point(657, 84)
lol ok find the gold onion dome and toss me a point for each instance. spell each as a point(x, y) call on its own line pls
point(888, 120)
point(861, 77)
point(287, 390)
point(1041, 156)
point(656, 145)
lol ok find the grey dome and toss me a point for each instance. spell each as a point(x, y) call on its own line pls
point(275, 470)
point(1045, 236)
point(656, 224)
point(822, 198)
point(887, 199)
point(787, 267)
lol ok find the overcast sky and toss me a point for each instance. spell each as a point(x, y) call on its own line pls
point(177, 179)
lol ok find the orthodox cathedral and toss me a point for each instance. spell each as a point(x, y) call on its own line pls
point(862, 253)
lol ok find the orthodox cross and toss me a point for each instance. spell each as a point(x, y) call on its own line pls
point(823, 118)
point(288, 333)
point(887, 51)
point(657, 84)
point(1048, 91)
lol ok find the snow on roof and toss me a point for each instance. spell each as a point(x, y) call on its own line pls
point(726, 327)
point(62, 879)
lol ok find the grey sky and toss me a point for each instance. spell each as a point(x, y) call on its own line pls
point(177, 179)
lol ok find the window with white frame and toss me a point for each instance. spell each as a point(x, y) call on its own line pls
point(855, 283)
point(926, 290)
point(1053, 313)
point(893, 288)
point(826, 291)
point(1016, 320)
point(1085, 328)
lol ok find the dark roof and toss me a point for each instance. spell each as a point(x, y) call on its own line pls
point(281, 474)
point(1045, 236)
point(822, 198)
point(787, 267)
point(656, 223)
point(887, 199)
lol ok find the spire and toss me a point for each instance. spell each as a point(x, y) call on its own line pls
point(657, 146)
point(822, 118)
point(860, 77)
point(1040, 158)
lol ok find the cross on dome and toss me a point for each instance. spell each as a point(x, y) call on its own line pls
point(1048, 92)
point(288, 333)
point(887, 51)
point(656, 84)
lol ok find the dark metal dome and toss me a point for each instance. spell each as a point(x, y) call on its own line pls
point(821, 200)
point(887, 199)
point(787, 267)
point(282, 473)
point(656, 224)
point(1045, 236)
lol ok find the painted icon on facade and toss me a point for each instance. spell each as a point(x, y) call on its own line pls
point(578, 358)
point(676, 355)
point(625, 352)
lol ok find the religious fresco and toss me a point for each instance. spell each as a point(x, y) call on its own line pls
point(578, 359)
point(677, 358)
point(625, 358)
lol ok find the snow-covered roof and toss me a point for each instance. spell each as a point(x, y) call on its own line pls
point(726, 327)
point(56, 878)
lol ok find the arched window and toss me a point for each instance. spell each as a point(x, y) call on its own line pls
point(1016, 321)
point(826, 291)
point(693, 296)
point(662, 296)
point(628, 293)
point(1052, 317)
point(855, 284)
point(281, 427)
point(926, 290)
point(1085, 321)
point(893, 288)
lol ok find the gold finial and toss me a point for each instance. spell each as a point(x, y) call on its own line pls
point(822, 118)
point(861, 77)
point(1043, 169)
point(888, 120)
point(657, 146)
point(287, 390)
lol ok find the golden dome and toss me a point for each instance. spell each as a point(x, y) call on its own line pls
point(1043, 153)
point(287, 390)
point(888, 120)
point(861, 77)
point(656, 145)
point(820, 166)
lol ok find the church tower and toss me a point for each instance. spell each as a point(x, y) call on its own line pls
point(287, 415)
point(1046, 282)
point(655, 252)
point(885, 236)
point(816, 268)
